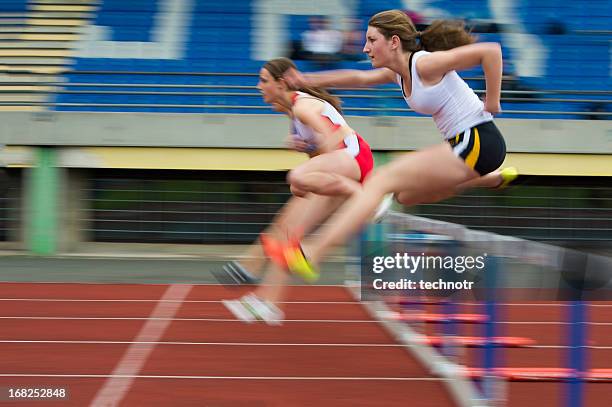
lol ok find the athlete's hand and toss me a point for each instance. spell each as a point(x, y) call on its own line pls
point(294, 78)
point(297, 144)
point(492, 106)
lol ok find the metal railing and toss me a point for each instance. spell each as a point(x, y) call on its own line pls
point(230, 97)
point(147, 210)
point(10, 192)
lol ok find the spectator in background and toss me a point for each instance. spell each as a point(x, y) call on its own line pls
point(352, 47)
point(599, 107)
point(320, 43)
point(554, 26)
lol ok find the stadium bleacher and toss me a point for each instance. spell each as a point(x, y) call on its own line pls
point(218, 39)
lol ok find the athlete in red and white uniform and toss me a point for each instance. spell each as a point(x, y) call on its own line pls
point(340, 160)
point(352, 144)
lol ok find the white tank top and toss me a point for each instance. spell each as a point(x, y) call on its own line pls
point(306, 133)
point(451, 102)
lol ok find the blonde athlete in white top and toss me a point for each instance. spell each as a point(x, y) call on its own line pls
point(424, 65)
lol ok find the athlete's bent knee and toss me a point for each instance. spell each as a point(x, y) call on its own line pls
point(296, 191)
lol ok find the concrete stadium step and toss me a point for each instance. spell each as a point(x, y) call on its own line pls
point(18, 21)
point(17, 36)
point(33, 69)
point(21, 108)
point(23, 89)
point(65, 2)
point(60, 7)
point(23, 97)
point(35, 53)
point(33, 29)
point(40, 61)
point(62, 45)
point(13, 79)
point(78, 15)
point(39, 14)
point(60, 22)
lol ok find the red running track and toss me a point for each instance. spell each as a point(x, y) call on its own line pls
point(329, 353)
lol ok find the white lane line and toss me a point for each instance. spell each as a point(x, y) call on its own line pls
point(156, 301)
point(324, 321)
point(79, 376)
point(180, 343)
point(132, 361)
point(81, 342)
point(335, 321)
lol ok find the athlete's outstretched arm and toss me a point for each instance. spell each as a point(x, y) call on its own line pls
point(341, 78)
point(434, 66)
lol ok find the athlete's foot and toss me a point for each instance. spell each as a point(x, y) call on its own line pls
point(233, 273)
point(508, 175)
point(290, 256)
point(297, 263)
point(239, 310)
point(263, 310)
point(383, 208)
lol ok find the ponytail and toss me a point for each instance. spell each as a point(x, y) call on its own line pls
point(440, 35)
point(323, 94)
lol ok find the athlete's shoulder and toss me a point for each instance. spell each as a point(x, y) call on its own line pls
point(306, 102)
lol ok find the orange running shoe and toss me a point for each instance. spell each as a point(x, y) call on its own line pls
point(297, 263)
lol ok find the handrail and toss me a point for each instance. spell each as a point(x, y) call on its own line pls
point(257, 94)
point(388, 93)
point(247, 107)
point(204, 86)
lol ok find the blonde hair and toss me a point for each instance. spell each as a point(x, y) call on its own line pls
point(440, 35)
point(277, 68)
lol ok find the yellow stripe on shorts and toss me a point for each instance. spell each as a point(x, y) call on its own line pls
point(472, 157)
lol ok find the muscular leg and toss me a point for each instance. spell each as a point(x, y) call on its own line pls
point(434, 171)
point(318, 208)
point(334, 173)
point(303, 213)
point(254, 258)
point(490, 180)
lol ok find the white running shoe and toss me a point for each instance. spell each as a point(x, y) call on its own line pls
point(263, 310)
point(239, 310)
point(383, 208)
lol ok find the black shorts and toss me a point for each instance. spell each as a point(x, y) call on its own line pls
point(482, 147)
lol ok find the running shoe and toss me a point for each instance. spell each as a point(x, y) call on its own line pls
point(250, 308)
point(383, 208)
point(263, 310)
point(239, 310)
point(233, 273)
point(508, 175)
point(298, 264)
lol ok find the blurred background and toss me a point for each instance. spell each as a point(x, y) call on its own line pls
point(139, 122)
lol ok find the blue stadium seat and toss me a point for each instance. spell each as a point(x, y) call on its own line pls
point(219, 41)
